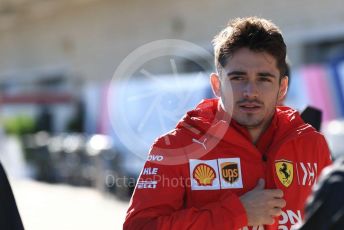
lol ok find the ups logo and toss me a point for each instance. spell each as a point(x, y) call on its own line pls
point(230, 171)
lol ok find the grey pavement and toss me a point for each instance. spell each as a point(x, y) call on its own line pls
point(45, 206)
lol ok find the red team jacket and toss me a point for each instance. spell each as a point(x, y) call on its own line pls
point(195, 174)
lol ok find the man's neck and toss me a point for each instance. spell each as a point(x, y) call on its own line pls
point(256, 132)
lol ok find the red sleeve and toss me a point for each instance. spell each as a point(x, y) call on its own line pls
point(325, 155)
point(158, 202)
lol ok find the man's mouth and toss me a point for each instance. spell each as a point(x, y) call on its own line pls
point(250, 107)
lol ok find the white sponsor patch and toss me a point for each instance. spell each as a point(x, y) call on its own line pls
point(260, 227)
point(146, 184)
point(289, 218)
point(230, 173)
point(155, 158)
point(150, 171)
point(204, 175)
point(309, 172)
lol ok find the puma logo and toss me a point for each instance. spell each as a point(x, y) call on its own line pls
point(199, 142)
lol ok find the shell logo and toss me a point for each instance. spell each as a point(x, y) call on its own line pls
point(204, 175)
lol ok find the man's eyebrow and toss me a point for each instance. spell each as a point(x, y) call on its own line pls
point(266, 74)
point(236, 72)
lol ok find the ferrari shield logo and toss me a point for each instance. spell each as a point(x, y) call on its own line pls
point(284, 170)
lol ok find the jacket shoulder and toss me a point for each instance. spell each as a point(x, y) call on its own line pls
point(171, 139)
point(170, 148)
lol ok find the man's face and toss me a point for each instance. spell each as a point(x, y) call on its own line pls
point(250, 85)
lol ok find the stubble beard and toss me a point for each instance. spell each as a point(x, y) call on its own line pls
point(251, 122)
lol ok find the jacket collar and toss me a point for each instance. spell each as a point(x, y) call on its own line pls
point(208, 118)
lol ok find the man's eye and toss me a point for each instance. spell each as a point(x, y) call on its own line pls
point(237, 78)
point(265, 79)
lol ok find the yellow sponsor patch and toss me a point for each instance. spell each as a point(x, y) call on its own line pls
point(285, 172)
point(204, 174)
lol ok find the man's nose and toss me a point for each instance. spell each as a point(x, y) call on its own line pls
point(251, 90)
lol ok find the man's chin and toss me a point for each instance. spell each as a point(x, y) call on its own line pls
point(250, 124)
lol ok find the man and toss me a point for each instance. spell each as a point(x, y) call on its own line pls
point(237, 161)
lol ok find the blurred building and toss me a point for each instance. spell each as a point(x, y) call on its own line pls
point(55, 48)
point(89, 38)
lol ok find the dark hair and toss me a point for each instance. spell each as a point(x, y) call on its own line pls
point(257, 34)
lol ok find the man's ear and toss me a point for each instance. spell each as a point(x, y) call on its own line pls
point(283, 89)
point(215, 84)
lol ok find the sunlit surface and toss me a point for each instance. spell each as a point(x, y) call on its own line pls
point(44, 206)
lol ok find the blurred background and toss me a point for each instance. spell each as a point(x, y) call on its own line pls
point(77, 114)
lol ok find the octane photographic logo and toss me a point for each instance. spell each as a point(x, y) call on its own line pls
point(143, 103)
